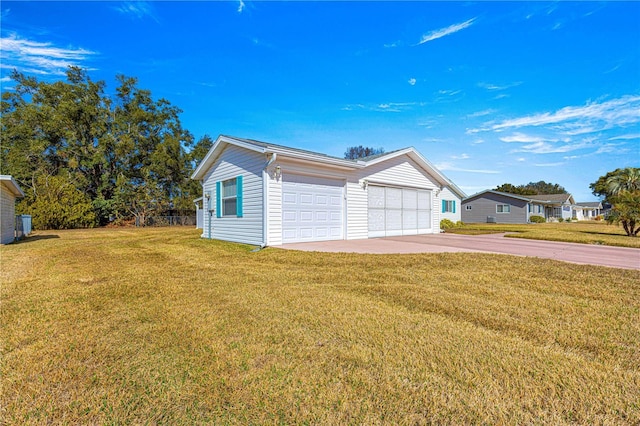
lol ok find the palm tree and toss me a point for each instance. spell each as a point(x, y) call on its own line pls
point(624, 194)
point(627, 180)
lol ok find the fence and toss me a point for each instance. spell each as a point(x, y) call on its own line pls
point(167, 221)
point(23, 226)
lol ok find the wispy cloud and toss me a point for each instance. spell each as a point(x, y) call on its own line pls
point(557, 164)
point(383, 107)
point(590, 118)
point(241, 6)
point(412, 81)
point(436, 34)
point(451, 167)
point(491, 86)
point(482, 113)
point(462, 156)
point(138, 10)
point(43, 58)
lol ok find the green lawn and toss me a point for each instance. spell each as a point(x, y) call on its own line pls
point(131, 326)
point(585, 232)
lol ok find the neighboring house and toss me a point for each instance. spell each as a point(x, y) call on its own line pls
point(501, 207)
point(265, 194)
point(9, 192)
point(590, 210)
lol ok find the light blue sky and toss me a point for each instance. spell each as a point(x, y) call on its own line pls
point(490, 92)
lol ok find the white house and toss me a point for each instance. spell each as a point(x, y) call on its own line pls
point(9, 191)
point(265, 194)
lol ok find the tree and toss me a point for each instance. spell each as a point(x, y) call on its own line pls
point(512, 189)
point(621, 189)
point(355, 152)
point(532, 188)
point(110, 148)
point(58, 204)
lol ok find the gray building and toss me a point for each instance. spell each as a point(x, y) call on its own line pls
point(500, 207)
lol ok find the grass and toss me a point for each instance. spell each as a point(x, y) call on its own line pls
point(585, 232)
point(122, 326)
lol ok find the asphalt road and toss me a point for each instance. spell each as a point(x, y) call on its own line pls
point(616, 257)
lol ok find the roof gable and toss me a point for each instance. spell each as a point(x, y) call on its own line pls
point(9, 182)
point(315, 157)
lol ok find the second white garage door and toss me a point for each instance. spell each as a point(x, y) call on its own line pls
point(398, 211)
point(312, 209)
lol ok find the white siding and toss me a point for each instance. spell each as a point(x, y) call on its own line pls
point(447, 194)
point(232, 162)
point(356, 211)
point(274, 209)
point(8, 214)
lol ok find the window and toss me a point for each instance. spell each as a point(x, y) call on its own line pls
point(467, 207)
point(229, 197)
point(503, 208)
point(448, 206)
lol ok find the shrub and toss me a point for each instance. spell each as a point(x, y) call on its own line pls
point(459, 224)
point(560, 220)
point(537, 219)
point(446, 224)
point(598, 218)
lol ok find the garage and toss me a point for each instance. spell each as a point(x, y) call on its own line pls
point(394, 211)
point(312, 208)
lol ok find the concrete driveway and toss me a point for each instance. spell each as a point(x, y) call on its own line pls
point(617, 257)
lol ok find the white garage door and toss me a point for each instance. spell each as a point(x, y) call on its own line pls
point(398, 211)
point(311, 209)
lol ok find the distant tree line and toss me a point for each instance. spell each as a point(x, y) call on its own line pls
point(355, 152)
point(532, 188)
point(85, 158)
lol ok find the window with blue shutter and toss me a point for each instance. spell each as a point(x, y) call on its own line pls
point(218, 199)
point(448, 206)
point(239, 196)
point(229, 197)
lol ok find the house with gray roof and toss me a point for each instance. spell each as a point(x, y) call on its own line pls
point(500, 207)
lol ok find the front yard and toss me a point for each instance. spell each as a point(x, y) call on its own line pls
point(123, 326)
point(585, 232)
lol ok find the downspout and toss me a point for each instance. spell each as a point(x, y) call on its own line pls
point(265, 199)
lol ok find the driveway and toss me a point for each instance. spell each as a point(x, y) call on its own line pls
point(617, 257)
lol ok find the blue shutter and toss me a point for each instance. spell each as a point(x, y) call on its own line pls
point(444, 206)
point(218, 199)
point(239, 196)
point(454, 206)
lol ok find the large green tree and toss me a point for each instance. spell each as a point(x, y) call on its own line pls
point(532, 188)
point(621, 189)
point(114, 149)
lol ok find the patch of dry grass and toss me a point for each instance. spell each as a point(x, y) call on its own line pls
point(159, 326)
point(584, 232)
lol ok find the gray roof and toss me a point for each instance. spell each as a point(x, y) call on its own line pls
point(552, 198)
point(594, 204)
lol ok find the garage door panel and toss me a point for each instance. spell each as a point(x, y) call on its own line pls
point(398, 211)
point(317, 208)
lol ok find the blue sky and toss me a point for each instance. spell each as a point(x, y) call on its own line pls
point(489, 92)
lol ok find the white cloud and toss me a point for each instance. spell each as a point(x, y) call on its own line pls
point(241, 6)
point(481, 113)
point(42, 58)
point(138, 10)
point(491, 86)
point(451, 167)
point(521, 138)
point(592, 117)
point(626, 137)
point(412, 81)
point(561, 163)
point(460, 157)
point(436, 34)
